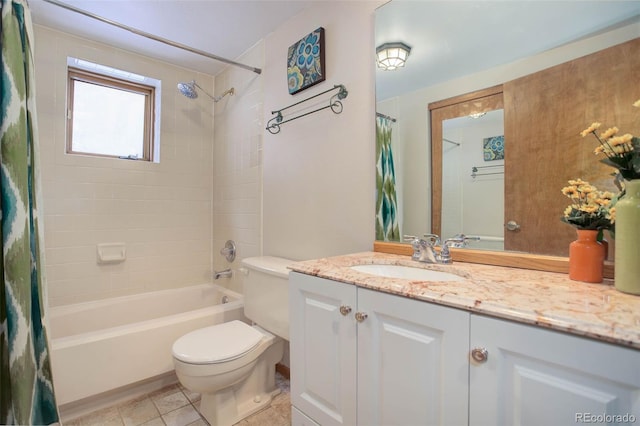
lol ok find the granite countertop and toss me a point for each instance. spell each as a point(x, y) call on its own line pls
point(545, 299)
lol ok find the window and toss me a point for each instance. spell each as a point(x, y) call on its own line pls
point(111, 113)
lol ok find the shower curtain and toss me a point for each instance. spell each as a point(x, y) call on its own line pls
point(387, 228)
point(26, 386)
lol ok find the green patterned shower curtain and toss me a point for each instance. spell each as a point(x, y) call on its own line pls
point(26, 387)
point(387, 228)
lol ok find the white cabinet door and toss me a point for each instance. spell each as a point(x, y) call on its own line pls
point(534, 376)
point(299, 419)
point(413, 367)
point(323, 349)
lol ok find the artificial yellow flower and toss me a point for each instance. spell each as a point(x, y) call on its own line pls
point(589, 208)
point(590, 129)
point(612, 215)
point(612, 131)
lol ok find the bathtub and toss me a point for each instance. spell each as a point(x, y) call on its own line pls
point(108, 344)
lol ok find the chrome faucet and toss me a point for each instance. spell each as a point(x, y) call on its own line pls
point(424, 249)
point(458, 241)
point(227, 273)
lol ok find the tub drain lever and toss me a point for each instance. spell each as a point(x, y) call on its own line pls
point(227, 273)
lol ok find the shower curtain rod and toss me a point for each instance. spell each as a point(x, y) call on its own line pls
point(154, 37)
point(379, 114)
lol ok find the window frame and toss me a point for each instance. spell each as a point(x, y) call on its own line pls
point(75, 74)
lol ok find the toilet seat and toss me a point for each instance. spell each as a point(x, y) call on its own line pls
point(204, 346)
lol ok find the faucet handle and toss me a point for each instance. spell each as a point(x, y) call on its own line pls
point(409, 238)
point(460, 240)
point(432, 239)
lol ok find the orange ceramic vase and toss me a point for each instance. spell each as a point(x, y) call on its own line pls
point(586, 257)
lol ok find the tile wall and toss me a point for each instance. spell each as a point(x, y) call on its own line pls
point(162, 211)
point(237, 164)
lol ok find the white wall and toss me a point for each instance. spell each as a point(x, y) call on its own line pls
point(413, 114)
point(319, 170)
point(161, 211)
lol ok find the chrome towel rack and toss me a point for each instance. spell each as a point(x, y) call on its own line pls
point(474, 170)
point(335, 103)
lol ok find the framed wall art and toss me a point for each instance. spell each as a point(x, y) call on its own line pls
point(305, 62)
point(493, 148)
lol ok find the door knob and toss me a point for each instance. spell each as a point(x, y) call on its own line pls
point(479, 354)
point(361, 316)
point(345, 310)
point(512, 225)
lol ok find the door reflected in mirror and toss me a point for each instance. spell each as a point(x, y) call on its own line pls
point(473, 178)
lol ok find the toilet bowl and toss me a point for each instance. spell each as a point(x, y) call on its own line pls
point(232, 365)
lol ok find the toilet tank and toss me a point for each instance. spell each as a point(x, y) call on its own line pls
point(266, 293)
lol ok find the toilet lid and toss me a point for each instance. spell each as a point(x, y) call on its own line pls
point(218, 343)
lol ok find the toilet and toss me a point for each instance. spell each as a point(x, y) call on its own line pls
point(232, 365)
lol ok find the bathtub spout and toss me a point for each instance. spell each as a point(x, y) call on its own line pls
point(227, 273)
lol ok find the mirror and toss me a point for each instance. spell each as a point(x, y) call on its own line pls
point(473, 178)
point(478, 50)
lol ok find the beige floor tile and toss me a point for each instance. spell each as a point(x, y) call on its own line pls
point(191, 396)
point(169, 401)
point(199, 422)
point(182, 416)
point(269, 417)
point(282, 407)
point(176, 406)
point(138, 411)
point(154, 422)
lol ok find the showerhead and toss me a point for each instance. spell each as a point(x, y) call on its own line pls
point(188, 89)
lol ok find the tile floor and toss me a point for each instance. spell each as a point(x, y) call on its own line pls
point(176, 406)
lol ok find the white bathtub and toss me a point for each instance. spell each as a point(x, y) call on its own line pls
point(108, 344)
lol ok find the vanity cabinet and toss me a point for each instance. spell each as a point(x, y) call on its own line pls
point(533, 376)
point(364, 357)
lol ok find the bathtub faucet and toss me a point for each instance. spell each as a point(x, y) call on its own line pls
point(227, 273)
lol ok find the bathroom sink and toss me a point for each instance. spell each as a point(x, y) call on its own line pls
point(407, 272)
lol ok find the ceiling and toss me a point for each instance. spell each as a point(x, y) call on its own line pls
point(449, 38)
point(225, 28)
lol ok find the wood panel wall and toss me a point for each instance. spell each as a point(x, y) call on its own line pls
point(544, 115)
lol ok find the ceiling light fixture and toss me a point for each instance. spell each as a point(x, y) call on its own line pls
point(477, 114)
point(392, 55)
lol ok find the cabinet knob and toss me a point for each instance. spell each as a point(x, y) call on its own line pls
point(479, 354)
point(345, 310)
point(361, 316)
